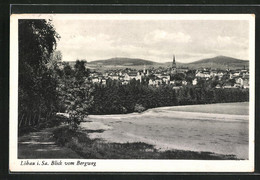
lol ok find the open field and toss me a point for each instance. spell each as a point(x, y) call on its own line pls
point(217, 128)
point(241, 108)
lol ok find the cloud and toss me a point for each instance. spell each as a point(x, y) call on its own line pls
point(232, 41)
point(160, 36)
point(153, 40)
point(84, 46)
point(234, 46)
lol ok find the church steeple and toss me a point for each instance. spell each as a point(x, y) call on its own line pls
point(174, 68)
point(173, 62)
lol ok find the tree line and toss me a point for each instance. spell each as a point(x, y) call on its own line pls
point(115, 98)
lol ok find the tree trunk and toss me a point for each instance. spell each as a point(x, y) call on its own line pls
point(26, 120)
point(21, 120)
point(34, 119)
point(50, 114)
point(39, 117)
point(30, 117)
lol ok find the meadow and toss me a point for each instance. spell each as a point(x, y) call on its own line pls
point(217, 128)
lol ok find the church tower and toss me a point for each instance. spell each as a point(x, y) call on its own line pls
point(174, 67)
point(173, 62)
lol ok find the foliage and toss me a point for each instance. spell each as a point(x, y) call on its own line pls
point(115, 98)
point(80, 71)
point(75, 92)
point(37, 83)
point(178, 77)
point(139, 108)
point(44, 88)
point(190, 75)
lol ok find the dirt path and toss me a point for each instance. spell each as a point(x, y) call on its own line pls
point(41, 145)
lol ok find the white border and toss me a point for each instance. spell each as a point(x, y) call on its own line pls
point(129, 165)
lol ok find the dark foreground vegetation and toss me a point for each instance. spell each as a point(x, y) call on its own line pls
point(37, 84)
point(43, 89)
point(97, 149)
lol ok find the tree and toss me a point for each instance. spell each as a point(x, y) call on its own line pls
point(232, 81)
point(75, 92)
point(80, 70)
point(57, 56)
point(77, 99)
point(178, 77)
point(37, 87)
point(67, 70)
point(37, 41)
point(190, 75)
point(139, 108)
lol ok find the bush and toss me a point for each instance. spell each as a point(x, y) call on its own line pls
point(139, 108)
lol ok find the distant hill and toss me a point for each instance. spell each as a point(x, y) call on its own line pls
point(219, 62)
point(123, 62)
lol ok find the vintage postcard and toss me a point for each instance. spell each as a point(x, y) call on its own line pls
point(132, 92)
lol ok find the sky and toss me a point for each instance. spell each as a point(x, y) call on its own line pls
point(155, 40)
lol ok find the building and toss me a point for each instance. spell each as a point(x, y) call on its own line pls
point(114, 77)
point(228, 85)
point(174, 67)
point(203, 74)
point(132, 75)
point(103, 81)
point(239, 81)
point(172, 82)
point(139, 77)
point(125, 82)
point(246, 83)
point(158, 81)
point(95, 80)
point(151, 82)
point(220, 74)
point(126, 77)
point(218, 86)
point(213, 73)
point(165, 78)
point(184, 83)
point(194, 81)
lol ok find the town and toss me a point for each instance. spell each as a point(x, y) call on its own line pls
point(175, 76)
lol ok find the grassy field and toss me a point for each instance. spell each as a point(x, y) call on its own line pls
point(220, 108)
point(216, 128)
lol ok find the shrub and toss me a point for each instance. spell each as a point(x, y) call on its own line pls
point(139, 108)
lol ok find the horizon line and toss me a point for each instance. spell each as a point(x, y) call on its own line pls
point(152, 60)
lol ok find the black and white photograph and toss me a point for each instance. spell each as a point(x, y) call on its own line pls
point(132, 92)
